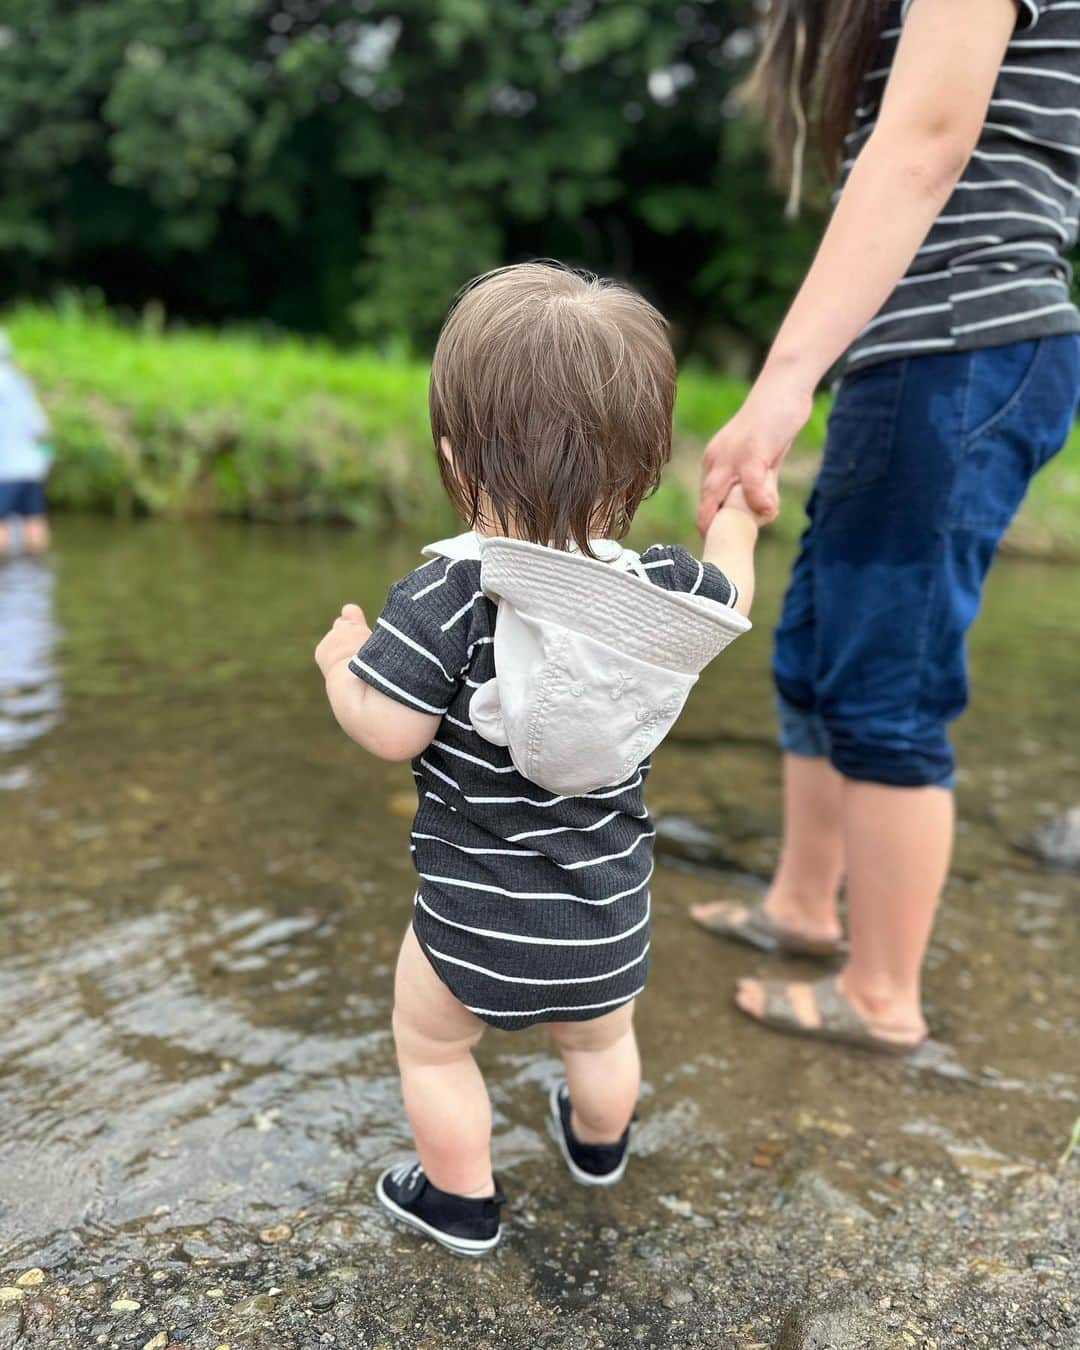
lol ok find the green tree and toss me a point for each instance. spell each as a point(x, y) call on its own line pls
point(343, 165)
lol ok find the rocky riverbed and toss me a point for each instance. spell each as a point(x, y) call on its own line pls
point(828, 1246)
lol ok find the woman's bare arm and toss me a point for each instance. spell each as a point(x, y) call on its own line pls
point(935, 102)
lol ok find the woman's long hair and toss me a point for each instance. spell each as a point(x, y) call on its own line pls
point(808, 76)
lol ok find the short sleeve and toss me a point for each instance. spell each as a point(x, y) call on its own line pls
point(416, 654)
point(674, 568)
point(1027, 12)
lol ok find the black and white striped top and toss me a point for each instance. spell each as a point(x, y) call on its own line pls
point(993, 267)
point(531, 907)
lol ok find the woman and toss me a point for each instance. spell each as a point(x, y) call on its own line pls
point(942, 284)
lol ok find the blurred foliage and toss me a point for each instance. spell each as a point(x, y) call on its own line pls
point(341, 166)
point(197, 423)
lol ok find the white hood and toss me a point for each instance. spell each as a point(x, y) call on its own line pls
point(593, 662)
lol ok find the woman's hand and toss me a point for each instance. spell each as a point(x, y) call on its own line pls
point(749, 448)
point(347, 635)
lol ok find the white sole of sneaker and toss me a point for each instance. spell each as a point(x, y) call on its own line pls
point(556, 1131)
point(459, 1246)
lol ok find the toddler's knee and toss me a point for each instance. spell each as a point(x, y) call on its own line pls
point(879, 752)
point(422, 1043)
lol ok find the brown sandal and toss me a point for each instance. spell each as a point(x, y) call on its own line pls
point(755, 928)
point(840, 1022)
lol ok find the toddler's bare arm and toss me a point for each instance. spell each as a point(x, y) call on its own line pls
point(384, 727)
point(730, 542)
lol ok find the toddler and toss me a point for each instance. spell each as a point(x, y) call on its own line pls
point(528, 669)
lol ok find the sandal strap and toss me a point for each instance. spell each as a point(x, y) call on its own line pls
point(777, 1004)
point(836, 1012)
point(758, 924)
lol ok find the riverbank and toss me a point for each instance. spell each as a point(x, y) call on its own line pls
point(194, 423)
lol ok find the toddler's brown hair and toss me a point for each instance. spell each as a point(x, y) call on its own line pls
point(553, 391)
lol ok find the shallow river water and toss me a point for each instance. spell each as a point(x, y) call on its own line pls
point(202, 887)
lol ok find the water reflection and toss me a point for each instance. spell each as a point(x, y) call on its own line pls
point(30, 688)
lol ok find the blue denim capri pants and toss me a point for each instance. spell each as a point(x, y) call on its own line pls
point(927, 459)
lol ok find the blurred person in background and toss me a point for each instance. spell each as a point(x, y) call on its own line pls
point(25, 456)
point(942, 288)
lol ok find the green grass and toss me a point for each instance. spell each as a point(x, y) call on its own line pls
point(276, 428)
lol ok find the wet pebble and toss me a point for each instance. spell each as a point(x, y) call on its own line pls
point(686, 840)
point(836, 1328)
point(1056, 1261)
point(258, 1303)
point(323, 1299)
point(346, 1274)
point(1058, 842)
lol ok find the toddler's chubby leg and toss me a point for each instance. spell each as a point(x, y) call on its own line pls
point(445, 1097)
point(603, 1073)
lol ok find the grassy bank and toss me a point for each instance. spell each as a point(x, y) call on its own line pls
point(197, 423)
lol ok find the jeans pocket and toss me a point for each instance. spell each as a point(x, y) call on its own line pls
point(997, 380)
point(861, 432)
point(1021, 401)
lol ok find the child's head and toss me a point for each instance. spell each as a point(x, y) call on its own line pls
point(551, 401)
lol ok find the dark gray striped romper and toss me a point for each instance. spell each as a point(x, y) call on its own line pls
point(531, 907)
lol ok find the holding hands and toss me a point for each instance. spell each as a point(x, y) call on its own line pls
point(745, 454)
point(737, 499)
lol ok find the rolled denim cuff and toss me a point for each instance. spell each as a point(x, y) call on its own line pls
point(921, 764)
point(802, 731)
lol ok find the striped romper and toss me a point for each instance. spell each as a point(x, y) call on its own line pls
point(531, 907)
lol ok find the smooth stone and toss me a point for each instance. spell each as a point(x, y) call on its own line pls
point(1058, 841)
point(836, 1328)
point(257, 1303)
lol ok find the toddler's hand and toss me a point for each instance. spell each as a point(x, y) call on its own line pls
point(736, 500)
point(347, 635)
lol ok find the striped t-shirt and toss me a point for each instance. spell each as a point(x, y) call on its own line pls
point(531, 907)
point(993, 267)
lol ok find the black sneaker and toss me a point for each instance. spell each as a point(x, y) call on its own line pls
point(466, 1226)
point(589, 1164)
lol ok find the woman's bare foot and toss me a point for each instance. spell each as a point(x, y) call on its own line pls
point(896, 1020)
